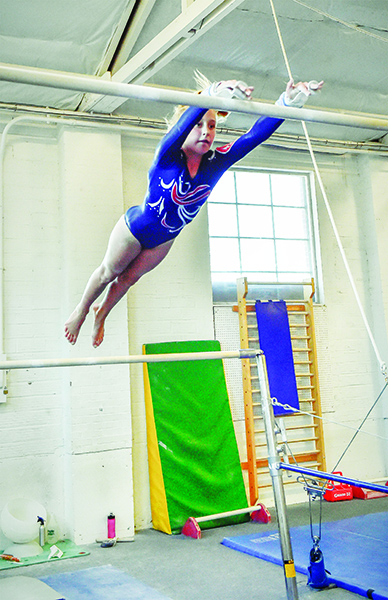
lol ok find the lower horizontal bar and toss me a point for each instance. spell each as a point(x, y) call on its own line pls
point(334, 477)
point(97, 85)
point(8, 365)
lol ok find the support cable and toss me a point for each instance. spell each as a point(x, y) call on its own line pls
point(359, 428)
point(290, 408)
point(382, 364)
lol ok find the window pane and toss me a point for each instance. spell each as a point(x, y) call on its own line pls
point(288, 190)
point(293, 255)
point(224, 190)
point(253, 188)
point(258, 255)
point(290, 223)
point(222, 219)
point(224, 254)
point(259, 228)
point(255, 221)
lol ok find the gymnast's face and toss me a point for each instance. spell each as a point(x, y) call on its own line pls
point(202, 135)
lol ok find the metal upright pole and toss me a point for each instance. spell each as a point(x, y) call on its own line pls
point(277, 480)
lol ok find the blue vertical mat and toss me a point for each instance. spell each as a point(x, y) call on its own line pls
point(275, 342)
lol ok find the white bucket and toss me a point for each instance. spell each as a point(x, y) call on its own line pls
point(19, 522)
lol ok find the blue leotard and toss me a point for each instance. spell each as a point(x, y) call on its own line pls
point(174, 198)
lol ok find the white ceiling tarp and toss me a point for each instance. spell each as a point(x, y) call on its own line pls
point(345, 43)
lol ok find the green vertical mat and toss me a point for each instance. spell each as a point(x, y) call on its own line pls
point(195, 436)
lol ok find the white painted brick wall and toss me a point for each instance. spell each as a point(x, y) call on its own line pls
point(99, 418)
point(66, 434)
point(356, 379)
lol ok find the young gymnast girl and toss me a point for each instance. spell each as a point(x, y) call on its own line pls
point(181, 178)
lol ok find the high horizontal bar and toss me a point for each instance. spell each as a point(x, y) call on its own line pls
point(96, 85)
point(8, 365)
point(334, 477)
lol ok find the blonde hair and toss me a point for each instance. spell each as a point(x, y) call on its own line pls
point(202, 83)
point(201, 80)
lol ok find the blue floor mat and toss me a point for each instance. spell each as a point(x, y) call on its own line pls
point(355, 552)
point(101, 583)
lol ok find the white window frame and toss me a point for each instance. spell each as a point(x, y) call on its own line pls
point(226, 291)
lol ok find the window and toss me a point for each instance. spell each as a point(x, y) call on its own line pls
point(261, 227)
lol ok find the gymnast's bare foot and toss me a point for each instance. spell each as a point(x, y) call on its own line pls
point(98, 328)
point(73, 325)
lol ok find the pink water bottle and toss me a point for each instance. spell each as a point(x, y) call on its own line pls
point(111, 526)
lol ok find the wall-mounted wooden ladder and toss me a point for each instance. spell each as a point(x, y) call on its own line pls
point(304, 432)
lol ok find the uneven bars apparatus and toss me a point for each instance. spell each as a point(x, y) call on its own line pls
point(274, 463)
point(96, 85)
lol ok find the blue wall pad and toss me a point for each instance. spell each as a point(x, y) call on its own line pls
point(275, 342)
point(355, 552)
point(101, 583)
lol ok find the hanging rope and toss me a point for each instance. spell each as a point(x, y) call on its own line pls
point(382, 364)
point(281, 40)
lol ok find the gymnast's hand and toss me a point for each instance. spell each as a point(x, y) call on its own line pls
point(296, 94)
point(232, 89)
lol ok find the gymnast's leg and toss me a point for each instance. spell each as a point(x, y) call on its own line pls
point(122, 249)
point(145, 261)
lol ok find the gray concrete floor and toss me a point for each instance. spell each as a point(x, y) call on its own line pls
point(186, 569)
